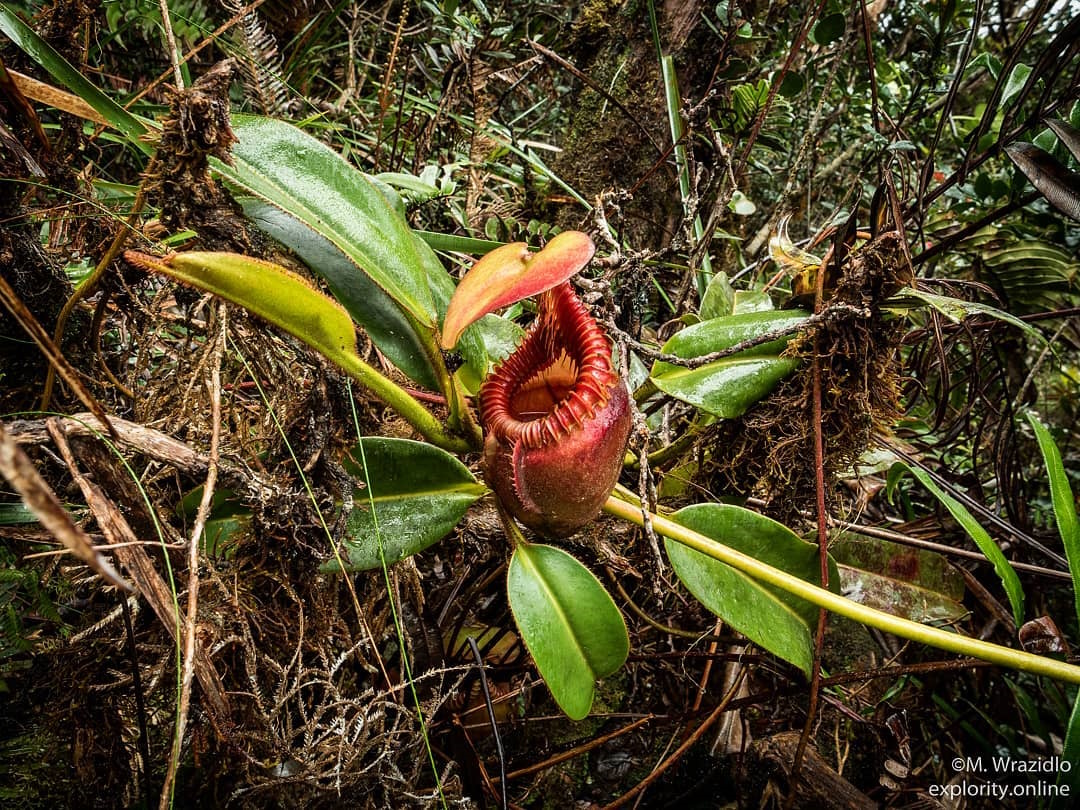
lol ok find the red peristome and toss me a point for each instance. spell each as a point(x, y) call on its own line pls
point(558, 418)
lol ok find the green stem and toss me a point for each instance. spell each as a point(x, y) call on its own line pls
point(931, 636)
point(399, 399)
point(461, 419)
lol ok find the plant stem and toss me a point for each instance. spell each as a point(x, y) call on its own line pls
point(924, 634)
point(399, 399)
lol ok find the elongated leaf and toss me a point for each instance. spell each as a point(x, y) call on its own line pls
point(1009, 580)
point(771, 618)
point(956, 309)
point(913, 583)
point(67, 75)
point(309, 181)
point(1030, 276)
point(387, 324)
point(458, 244)
point(727, 387)
point(571, 626)
point(1070, 753)
point(266, 289)
point(1069, 135)
point(1060, 185)
point(1064, 505)
point(413, 495)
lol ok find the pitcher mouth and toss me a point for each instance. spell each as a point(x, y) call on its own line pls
point(556, 380)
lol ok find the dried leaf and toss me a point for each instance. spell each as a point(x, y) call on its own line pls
point(1060, 186)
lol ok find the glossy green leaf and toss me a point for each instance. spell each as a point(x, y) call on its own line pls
point(915, 584)
point(12, 514)
point(1009, 580)
point(67, 75)
point(1061, 496)
point(1015, 83)
point(387, 324)
point(571, 626)
point(412, 496)
point(956, 309)
point(228, 522)
point(752, 301)
point(719, 298)
point(309, 181)
point(727, 387)
point(775, 620)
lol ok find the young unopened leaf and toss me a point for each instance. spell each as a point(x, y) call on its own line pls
point(411, 496)
point(728, 386)
point(571, 626)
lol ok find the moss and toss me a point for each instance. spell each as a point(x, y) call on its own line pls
point(596, 16)
point(616, 136)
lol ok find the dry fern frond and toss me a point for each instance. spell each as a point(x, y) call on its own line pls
point(256, 52)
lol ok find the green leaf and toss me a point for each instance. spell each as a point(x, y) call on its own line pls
point(458, 244)
point(829, 28)
point(771, 618)
point(752, 301)
point(792, 84)
point(413, 495)
point(1064, 504)
point(1015, 83)
point(727, 387)
point(309, 181)
point(719, 298)
point(265, 289)
point(571, 626)
point(387, 324)
point(1011, 582)
point(12, 514)
point(956, 309)
point(1070, 753)
point(67, 75)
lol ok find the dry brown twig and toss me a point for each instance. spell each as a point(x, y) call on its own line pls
point(20, 472)
point(201, 516)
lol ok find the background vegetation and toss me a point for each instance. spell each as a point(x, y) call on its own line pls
point(510, 121)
